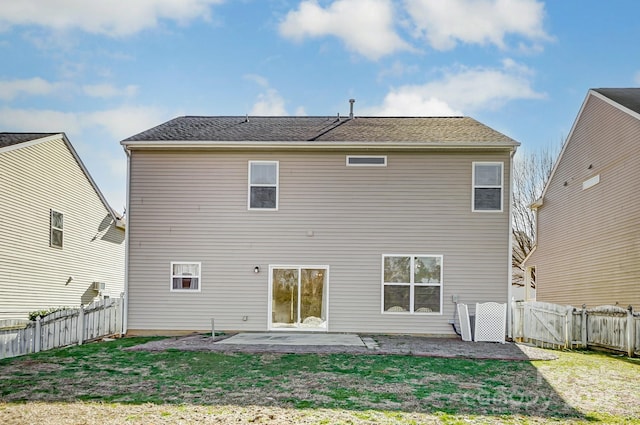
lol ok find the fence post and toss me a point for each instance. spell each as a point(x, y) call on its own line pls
point(568, 327)
point(36, 337)
point(121, 314)
point(631, 332)
point(583, 330)
point(80, 325)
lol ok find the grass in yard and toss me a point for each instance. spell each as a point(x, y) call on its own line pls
point(161, 387)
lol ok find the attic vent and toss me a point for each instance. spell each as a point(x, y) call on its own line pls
point(591, 182)
point(366, 161)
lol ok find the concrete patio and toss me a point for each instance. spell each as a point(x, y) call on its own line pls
point(329, 343)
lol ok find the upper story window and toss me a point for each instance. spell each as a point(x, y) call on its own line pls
point(366, 161)
point(487, 186)
point(185, 276)
point(263, 185)
point(56, 223)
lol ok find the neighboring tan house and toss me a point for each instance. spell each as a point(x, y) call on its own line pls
point(60, 239)
point(316, 223)
point(588, 231)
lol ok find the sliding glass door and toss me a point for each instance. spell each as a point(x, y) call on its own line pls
point(298, 297)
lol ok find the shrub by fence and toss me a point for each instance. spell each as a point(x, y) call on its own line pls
point(62, 328)
point(559, 326)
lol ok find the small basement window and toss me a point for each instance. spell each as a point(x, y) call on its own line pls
point(185, 276)
point(366, 161)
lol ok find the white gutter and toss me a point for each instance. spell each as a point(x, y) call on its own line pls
point(310, 145)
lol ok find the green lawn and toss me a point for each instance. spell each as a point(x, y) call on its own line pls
point(107, 382)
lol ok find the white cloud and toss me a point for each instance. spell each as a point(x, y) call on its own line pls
point(39, 121)
point(112, 18)
point(10, 89)
point(364, 26)
point(119, 122)
point(405, 102)
point(445, 23)
point(105, 91)
point(636, 78)
point(124, 121)
point(269, 103)
point(258, 79)
point(461, 91)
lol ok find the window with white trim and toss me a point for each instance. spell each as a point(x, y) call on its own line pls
point(412, 283)
point(263, 185)
point(487, 186)
point(56, 231)
point(366, 161)
point(185, 276)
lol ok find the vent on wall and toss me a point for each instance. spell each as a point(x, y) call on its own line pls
point(591, 182)
point(366, 161)
point(99, 286)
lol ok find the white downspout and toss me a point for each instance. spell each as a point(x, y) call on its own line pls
point(510, 253)
point(125, 307)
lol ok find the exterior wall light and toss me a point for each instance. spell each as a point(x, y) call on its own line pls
point(256, 269)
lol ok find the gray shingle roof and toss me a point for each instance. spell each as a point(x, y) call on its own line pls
point(10, 139)
point(325, 129)
point(627, 97)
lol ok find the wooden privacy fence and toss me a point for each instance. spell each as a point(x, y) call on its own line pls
point(560, 326)
point(62, 328)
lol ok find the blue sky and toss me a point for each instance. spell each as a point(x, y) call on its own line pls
point(103, 71)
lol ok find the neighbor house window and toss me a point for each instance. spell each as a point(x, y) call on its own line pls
point(56, 229)
point(412, 283)
point(366, 161)
point(487, 186)
point(185, 276)
point(263, 185)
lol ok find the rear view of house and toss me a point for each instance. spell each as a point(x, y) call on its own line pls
point(61, 244)
point(588, 219)
point(315, 223)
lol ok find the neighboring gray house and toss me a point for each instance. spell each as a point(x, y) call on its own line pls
point(315, 223)
point(59, 236)
point(588, 231)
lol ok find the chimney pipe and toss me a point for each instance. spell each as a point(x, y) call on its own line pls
point(351, 102)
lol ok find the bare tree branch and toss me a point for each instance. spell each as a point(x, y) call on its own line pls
point(531, 170)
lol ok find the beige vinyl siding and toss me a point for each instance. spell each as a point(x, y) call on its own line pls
point(33, 275)
point(588, 240)
point(191, 206)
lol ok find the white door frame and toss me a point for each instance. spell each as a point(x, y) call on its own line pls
point(325, 298)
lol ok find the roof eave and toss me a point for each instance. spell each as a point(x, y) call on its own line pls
point(312, 145)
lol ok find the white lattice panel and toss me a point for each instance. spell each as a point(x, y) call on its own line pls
point(465, 324)
point(491, 322)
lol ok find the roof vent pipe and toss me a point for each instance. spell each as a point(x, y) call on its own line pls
point(351, 102)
